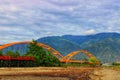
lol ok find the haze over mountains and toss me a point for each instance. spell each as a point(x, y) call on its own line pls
point(105, 46)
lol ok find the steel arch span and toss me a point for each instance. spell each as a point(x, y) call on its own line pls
point(68, 57)
point(52, 50)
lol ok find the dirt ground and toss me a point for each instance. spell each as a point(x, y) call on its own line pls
point(60, 73)
point(31, 78)
point(106, 74)
point(46, 73)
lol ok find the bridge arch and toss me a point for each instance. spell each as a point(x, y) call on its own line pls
point(52, 50)
point(68, 57)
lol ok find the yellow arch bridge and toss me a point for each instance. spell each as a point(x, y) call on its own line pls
point(67, 58)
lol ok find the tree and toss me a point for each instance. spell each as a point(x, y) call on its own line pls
point(1, 53)
point(9, 53)
point(50, 60)
point(16, 54)
point(93, 60)
point(42, 57)
point(37, 51)
point(85, 59)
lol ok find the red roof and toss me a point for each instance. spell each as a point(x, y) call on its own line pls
point(25, 58)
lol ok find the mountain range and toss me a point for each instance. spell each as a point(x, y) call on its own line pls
point(105, 46)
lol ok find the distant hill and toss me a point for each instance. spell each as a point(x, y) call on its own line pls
point(21, 48)
point(93, 38)
point(62, 45)
point(105, 46)
point(107, 50)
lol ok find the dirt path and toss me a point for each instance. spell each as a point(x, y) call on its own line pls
point(106, 74)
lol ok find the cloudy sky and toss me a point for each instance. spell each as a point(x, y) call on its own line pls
point(22, 20)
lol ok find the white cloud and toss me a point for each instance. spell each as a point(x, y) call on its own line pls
point(91, 31)
point(4, 28)
point(48, 33)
